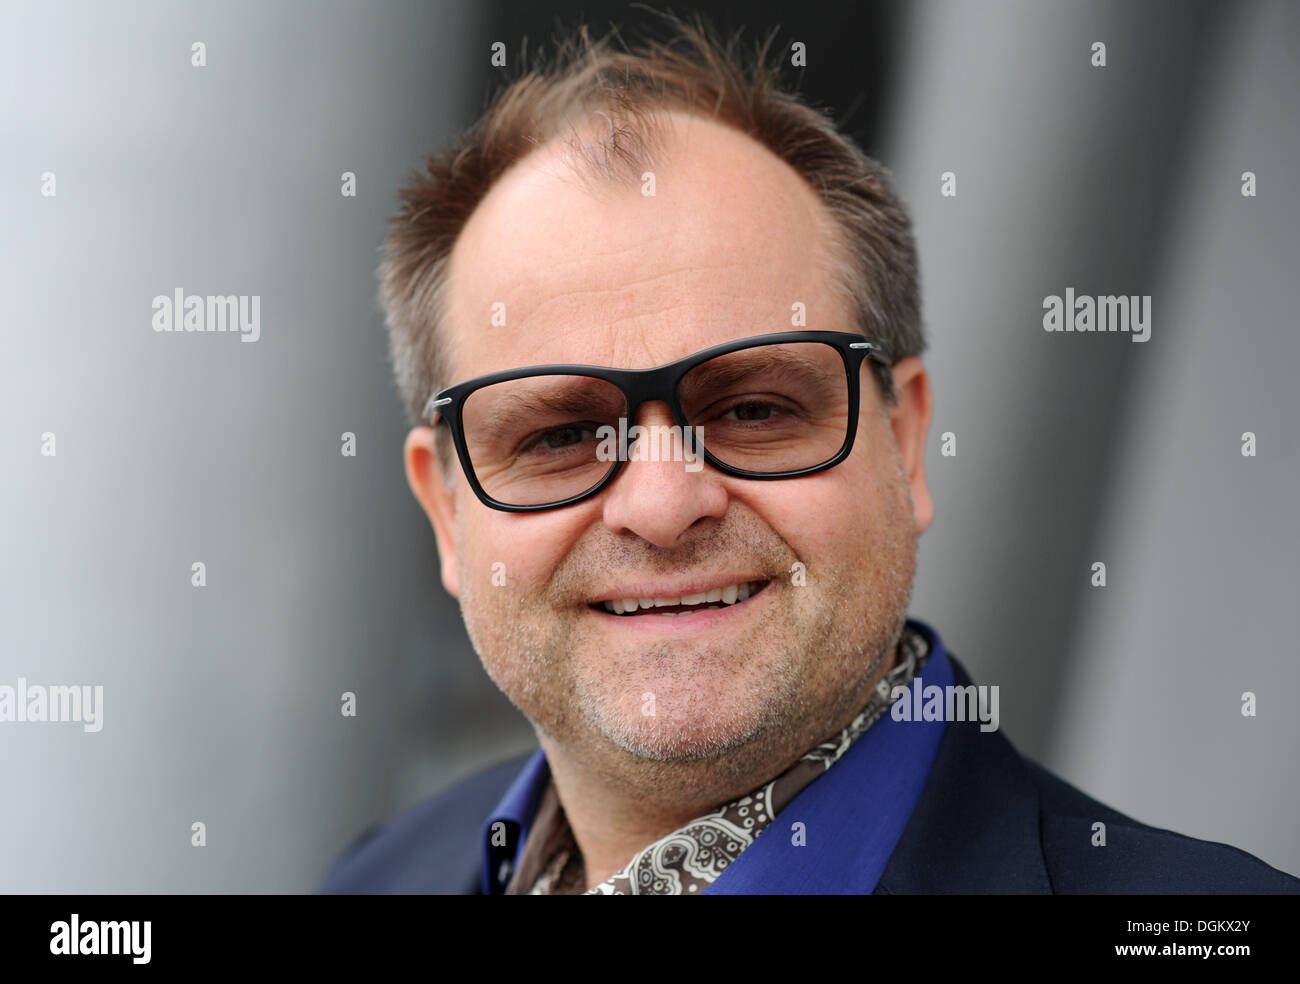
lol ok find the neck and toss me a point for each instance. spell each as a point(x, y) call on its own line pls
point(609, 820)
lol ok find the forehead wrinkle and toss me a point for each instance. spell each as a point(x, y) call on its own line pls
point(557, 316)
point(610, 292)
point(719, 293)
point(629, 337)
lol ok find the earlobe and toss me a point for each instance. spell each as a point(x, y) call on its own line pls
point(424, 475)
point(910, 420)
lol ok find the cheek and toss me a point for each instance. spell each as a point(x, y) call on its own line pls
point(508, 550)
point(820, 516)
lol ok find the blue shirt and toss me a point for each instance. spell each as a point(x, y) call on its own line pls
point(852, 816)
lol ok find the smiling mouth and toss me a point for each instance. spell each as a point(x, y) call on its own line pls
point(728, 597)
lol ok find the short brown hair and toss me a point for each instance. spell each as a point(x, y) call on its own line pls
point(691, 71)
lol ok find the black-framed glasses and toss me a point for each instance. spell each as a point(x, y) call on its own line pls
point(773, 406)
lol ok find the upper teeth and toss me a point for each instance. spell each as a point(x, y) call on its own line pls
point(729, 595)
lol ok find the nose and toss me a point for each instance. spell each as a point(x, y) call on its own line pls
point(659, 500)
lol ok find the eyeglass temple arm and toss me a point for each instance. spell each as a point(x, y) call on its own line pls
point(431, 408)
point(874, 351)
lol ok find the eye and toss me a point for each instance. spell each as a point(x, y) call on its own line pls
point(563, 437)
point(752, 410)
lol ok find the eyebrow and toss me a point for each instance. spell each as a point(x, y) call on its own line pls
point(711, 374)
point(573, 398)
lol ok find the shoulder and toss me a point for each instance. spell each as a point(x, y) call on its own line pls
point(990, 820)
point(434, 847)
point(1089, 847)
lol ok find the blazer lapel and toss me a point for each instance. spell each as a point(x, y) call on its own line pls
point(975, 829)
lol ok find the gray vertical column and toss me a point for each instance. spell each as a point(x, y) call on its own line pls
point(1064, 173)
point(1181, 696)
point(220, 175)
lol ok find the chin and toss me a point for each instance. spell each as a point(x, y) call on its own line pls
point(701, 733)
point(678, 704)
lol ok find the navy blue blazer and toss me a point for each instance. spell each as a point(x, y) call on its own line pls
point(988, 820)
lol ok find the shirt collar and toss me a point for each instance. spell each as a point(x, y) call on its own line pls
point(506, 829)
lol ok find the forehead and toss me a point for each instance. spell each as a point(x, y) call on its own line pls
point(592, 270)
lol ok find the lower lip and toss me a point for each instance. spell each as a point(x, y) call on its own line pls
point(686, 623)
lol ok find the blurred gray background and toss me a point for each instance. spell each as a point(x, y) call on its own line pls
point(222, 703)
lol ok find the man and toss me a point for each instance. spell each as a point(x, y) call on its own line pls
point(694, 581)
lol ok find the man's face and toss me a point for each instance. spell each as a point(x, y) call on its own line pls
point(595, 272)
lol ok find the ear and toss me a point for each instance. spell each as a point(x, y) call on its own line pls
point(424, 475)
point(910, 419)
